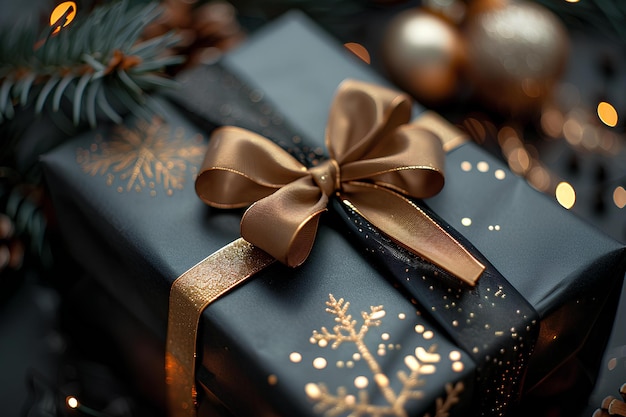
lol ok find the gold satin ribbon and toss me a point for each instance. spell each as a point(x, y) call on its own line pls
point(376, 162)
point(190, 294)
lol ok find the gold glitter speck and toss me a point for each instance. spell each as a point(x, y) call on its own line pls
point(319, 363)
point(458, 366)
point(295, 357)
point(426, 356)
point(312, 391)
point(466, 221)
point(428, 369)
point(361, 382)
point(482, 166)
point(466, 166)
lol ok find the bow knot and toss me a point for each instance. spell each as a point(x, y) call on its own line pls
point(326, 176)
point(378, 162)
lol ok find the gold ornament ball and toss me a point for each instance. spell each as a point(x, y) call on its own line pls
point(516, 53)
point(422, 53)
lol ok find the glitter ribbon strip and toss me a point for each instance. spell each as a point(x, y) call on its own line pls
point(190, 294)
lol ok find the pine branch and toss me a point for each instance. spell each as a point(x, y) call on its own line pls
point(94, 68)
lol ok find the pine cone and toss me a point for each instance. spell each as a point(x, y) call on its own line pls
point(206, 29)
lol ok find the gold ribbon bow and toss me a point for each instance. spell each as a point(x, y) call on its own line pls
point(377, 162)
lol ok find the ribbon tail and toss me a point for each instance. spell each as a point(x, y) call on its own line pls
point(190, 294)
point(408, 225)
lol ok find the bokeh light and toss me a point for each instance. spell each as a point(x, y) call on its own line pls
point(607, 114)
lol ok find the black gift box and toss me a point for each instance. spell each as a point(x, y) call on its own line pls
point(125, 201)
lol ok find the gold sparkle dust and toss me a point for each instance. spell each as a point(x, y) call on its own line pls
point(385, 336)
point(455, 355)
point(401, 316)
point(482, 166)
point(426, 356)
point(378, 315)
point(143, 156)
point(295, 357)
point(319, 363)
point(466, 166)
point(458, 366)
point(419, 328)
point(361, 382)
point(466, 221)
point(428, 335)
point(500, 174)
point(428, 369)
point(312, 391)
point(356, 356)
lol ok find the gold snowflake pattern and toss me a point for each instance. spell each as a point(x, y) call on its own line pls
point(423, 362)
point(147, 156)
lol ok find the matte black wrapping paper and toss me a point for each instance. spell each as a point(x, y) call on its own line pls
point(125, 201)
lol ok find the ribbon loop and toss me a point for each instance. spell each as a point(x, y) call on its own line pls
point(377, 160)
